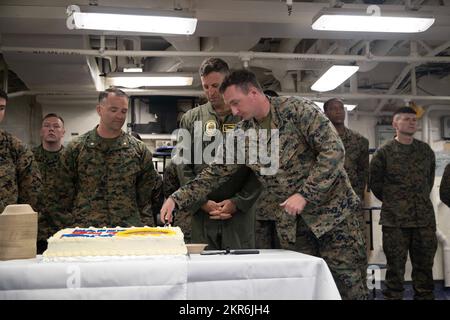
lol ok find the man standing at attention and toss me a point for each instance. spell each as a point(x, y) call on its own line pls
point(48, 157)
point(226, 217)
point(19, 173)
point(402, 176)
point(109, 173)
point(310, 182)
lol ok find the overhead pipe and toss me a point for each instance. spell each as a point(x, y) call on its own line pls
point(249, 55)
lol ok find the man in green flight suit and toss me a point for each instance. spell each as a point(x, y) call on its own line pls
point(402, 177)
point(109, 172)
point(47, 155)
point(225, 218)
point(309, 182)
point(19, 173)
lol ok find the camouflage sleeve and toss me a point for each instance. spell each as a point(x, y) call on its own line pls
point(201, 186)
point(444, 189)
point(149, 182)
point(363, 167)
point(376, 175)
point(325, 141)
point(28, 176)
point(170, 180)
point(68, 184)
point(249, 193)
point(432, 168)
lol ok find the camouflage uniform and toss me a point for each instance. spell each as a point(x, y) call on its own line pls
point(52, 217)
point(243, 189)
point(311, 164)
point(20, 178)
point(444, 189)
point(402, 176)
point(171, 184)
point(112, 180)
point(357, 165)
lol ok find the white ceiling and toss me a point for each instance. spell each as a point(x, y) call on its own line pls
point(227, 28)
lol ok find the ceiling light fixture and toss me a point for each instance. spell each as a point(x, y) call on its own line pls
point(142, 79)
point(161, 23)
point(333, 77)
point(333, 19)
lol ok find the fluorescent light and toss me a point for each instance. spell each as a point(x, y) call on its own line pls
point(349, 107)
point(334, 77)
point(132, 70)
point(351, 20)
point(136, 80)
point(158, 23)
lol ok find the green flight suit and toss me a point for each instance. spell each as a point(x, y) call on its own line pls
point(243, 189)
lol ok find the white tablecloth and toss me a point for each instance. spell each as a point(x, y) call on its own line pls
point(272, 274)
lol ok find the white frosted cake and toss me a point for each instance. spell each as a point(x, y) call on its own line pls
point(145, 241)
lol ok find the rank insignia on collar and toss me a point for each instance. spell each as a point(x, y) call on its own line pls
point(228, 127)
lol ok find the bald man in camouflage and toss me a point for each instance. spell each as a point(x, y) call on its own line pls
point(402, 177)
point(109, 173)
point(309, 184)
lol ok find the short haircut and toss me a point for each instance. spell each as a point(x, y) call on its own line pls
point(3, 95)
point(330, 101)
point(404, 110)
point(52, 115)
point(271, 93)
point(241, 79)
point(213, 65)
point(104, 94)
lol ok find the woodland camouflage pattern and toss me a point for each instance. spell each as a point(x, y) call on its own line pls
point(112, 180)
point(325, 185)
point(402, 176)
point(444, 189)
point(53, 216)
point(20, 179)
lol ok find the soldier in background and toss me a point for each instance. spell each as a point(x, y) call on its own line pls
point(310, 182)
point(356, 158)
point(109, 173)
point(19, 173)
point(444, 188)
point(48, 155)
point(225, 218)
point(402, 176)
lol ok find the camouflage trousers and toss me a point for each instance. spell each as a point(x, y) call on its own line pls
point(266, 236)
point(343, 250)
point(235, 233)
point(422, 245)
